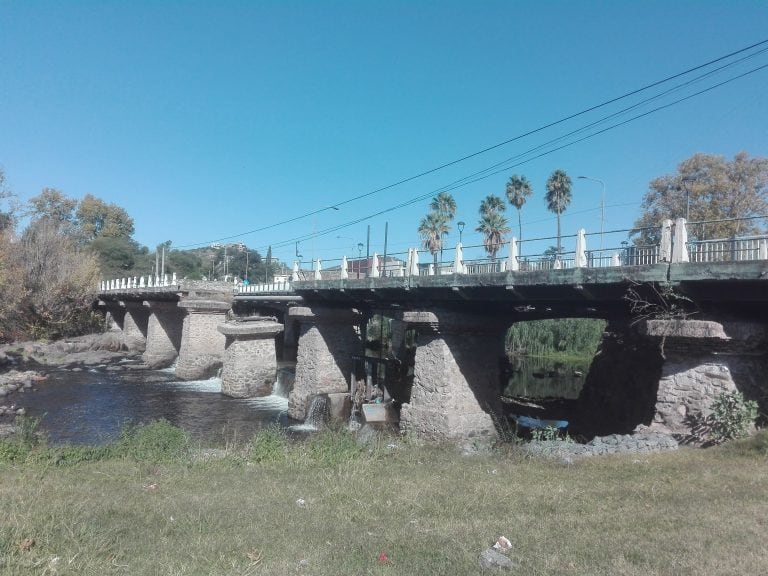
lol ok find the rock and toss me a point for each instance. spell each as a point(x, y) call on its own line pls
point(21, 412)
point(490, 559)
point(503, 544)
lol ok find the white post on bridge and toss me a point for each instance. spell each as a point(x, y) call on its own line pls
point(458, 260)
point(580, 260)
point(295, 273)
point(318, 267)
point(665, 244)
point(680, 244)
point(414, 269)
point(344, 271)
point(513, 262)
point(375, 266)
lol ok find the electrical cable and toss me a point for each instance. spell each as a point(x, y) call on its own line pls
point(482, 151)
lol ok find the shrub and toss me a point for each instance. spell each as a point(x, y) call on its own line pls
point(158, 441)
point(732, 417)
point(268, 445)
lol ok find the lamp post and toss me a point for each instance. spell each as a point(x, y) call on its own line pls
point(685, 182)
point(460, 225)
point(359, 257)
point(602, 204)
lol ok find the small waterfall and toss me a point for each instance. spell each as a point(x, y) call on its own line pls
point(318, 413)
point(284, 382)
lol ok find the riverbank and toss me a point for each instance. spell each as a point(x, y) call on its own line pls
point(330, 506)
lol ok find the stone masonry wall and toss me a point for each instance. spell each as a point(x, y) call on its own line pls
point(163, 335)
point(328, 341)
point(250, 360)
point(456, 385)
point(202, 345)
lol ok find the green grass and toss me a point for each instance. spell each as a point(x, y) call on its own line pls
point(160, 511)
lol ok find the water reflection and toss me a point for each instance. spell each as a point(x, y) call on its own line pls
point(92, 407)
point(541, 377)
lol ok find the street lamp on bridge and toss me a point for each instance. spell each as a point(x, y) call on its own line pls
point(460, 225)
point(602, 204)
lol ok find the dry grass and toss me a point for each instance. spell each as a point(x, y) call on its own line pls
point(429, 509)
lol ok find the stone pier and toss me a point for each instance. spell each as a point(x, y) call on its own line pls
point(250, 361)
point(702, 360)
point(328, 340)
point(202, 344)
point(164, 329)
point(456, 384)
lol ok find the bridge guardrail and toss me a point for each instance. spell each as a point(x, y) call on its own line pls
point(672, 246)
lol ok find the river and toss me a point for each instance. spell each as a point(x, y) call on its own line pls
point(92, 406)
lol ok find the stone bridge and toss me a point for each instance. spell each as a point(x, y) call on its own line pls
point(679, 333)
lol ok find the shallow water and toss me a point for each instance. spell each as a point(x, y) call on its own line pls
point(91, 407)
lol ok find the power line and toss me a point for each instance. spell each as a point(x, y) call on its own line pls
point(482, 151)
point(464, 182)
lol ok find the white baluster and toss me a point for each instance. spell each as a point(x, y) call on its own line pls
point(141, 282)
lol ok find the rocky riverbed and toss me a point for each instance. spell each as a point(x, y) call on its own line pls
point(24, 364)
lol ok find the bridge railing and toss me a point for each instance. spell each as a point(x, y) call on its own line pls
point(729, 249)
point(666, 243)
point(138, 283)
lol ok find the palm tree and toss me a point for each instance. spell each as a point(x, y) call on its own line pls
point(518, 191)
point(492, 204)
point(558, 198)
point(445, 205)
point(432, 228)
point(493, 224)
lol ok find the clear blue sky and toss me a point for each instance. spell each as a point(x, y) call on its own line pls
point(210, 119)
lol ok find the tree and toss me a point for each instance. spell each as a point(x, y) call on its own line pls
point(98, 218)
point(8, 215)
point(432, 228)
point(60, 279)
point(445, 205)
point(54, 205)
point(558, 198)
point(707, 187)
point(493, 224)
point(518, 191)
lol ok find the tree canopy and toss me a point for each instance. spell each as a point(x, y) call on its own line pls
point(708, 187)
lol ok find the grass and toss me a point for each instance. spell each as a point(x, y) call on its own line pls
point(326, 506)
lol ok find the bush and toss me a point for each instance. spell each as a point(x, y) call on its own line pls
point(732, 417)
point(268, 445)
point(158, 441)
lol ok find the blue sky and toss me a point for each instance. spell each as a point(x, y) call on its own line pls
point(211, 119)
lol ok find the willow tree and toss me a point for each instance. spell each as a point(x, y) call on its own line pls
point(558, 198)
point(518, 191)
point(493, 224)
